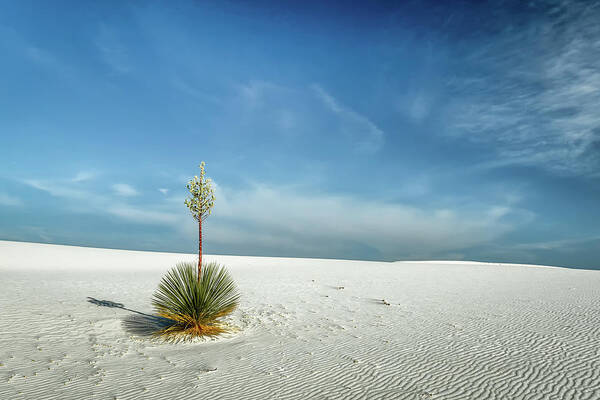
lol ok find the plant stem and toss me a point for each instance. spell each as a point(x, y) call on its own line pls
point(199, 248)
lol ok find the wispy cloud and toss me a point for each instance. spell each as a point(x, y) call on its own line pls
point(112, 50)
point(285, 220)
point(537, 101)
point(274, 217)
point(106, 203)
point(10, 201)
point(38, 231)
point(57, 189)
point(123, 189)
point(164, 191)
point(256, 92)
point(83, 176)
point(43, 57)
point(145, 216)
point(564, 244)
point(188, 88)
point(297, 113)
point(364, 132)
point(420, 106)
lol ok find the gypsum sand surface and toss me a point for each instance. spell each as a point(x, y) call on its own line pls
point(306, 329)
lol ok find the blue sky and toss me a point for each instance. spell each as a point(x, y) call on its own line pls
point(420, 130)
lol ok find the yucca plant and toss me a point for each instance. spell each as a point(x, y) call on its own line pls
point(195, 297)
point(195, 304)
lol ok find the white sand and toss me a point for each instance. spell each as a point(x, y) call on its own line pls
point(453, 330)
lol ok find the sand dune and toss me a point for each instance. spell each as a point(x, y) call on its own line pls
point(306, 329)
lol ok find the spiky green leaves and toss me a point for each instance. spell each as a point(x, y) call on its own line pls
point(196, 305)
point(202, 196)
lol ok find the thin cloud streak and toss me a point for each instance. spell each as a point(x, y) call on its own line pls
point(564, 244)
point(112, 50)
point(10, 201)
point(144, 216)
point(89, 202)
point(83, 176)
point(123, 189)
point(539, 105)
point(57, 189)
point(364, 132)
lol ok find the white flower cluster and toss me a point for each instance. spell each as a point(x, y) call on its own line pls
point(202, 196)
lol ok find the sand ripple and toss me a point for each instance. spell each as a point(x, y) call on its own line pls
point(450, 331)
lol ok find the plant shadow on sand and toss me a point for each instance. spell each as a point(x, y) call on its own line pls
point(141, 324)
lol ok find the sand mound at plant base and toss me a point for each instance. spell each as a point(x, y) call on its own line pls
point(307, 329)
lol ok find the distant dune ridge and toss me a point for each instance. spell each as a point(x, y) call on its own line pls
point(75, 324)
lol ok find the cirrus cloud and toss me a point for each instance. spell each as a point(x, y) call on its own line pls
point(534, 94)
